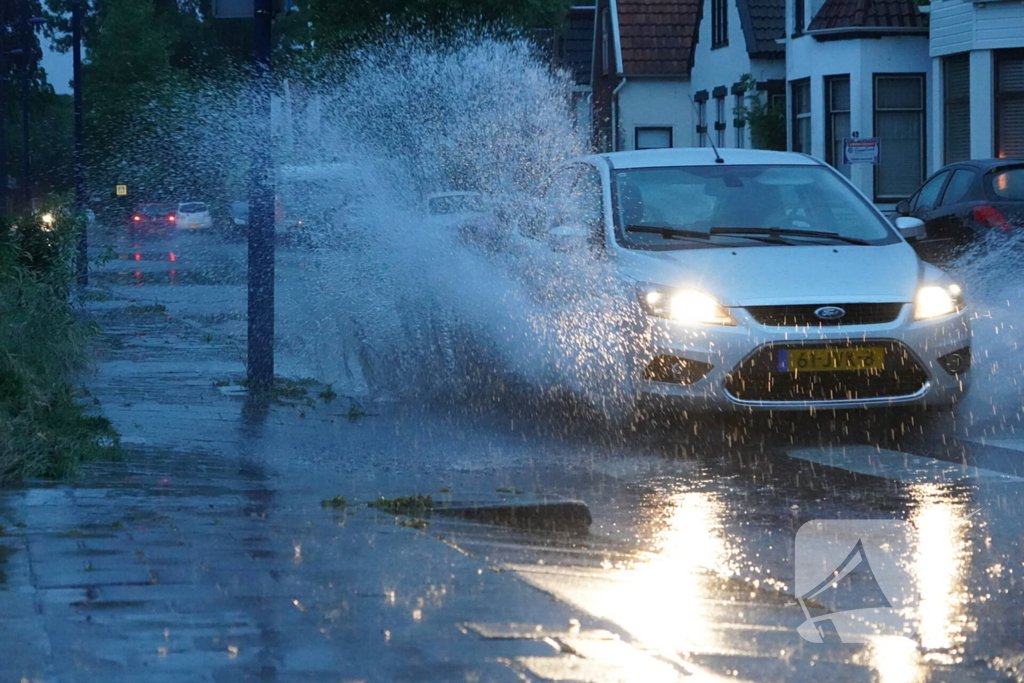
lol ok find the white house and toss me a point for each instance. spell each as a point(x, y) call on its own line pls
point(859, 68)
point(977, 54)
point(643, 53)
point(736, 37)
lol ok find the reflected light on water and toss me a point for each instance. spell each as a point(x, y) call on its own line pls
point(939, 565)
point(664, 601)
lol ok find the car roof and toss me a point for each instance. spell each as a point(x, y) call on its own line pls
point(456, 193)
point(702, 156)
point(984, 164)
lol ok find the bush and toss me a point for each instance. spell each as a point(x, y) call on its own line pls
point(44, 430)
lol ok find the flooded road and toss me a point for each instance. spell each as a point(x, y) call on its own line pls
point(692, 554)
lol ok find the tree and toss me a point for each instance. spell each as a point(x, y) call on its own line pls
point(767, 120)
point(337, 26)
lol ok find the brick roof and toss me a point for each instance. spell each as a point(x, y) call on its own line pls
point(763, 22)
point(868, 14)
point(658, 36)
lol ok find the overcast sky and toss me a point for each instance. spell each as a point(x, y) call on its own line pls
point(58, 68)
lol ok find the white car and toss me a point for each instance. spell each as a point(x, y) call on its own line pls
point(761, 280)
point(194, 216)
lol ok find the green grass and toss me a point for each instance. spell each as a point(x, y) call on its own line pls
point(44, 430)
point(404, 505)
point(334, 503)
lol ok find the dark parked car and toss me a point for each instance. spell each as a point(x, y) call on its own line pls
point(153, 219)
point(964, 202)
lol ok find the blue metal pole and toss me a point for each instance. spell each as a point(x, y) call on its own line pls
point(261, 211)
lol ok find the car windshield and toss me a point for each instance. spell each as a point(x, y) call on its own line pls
point(192, 207)
point(156, 210)
point(1006, 184)
point(708, 206)
point(468, 203)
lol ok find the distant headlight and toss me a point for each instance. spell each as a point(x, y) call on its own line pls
point(685, 305)
point(934, 301)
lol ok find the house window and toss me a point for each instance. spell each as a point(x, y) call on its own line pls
point(899, 126)
point(801, 115)
point(798, 17)
point(1010, 103)
point(720, 125)
point(701, 99)
point(837, 100)
point(956, 92)
point(738, 123)
point(652, 137)
point(719, 23)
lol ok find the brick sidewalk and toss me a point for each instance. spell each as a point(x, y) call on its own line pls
point(205, 555)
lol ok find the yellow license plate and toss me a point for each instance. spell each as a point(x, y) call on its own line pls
point(855, 358)
point(195, 225)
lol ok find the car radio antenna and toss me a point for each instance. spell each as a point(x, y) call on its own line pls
point(704, 131)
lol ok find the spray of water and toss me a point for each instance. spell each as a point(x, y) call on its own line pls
point(991, 271)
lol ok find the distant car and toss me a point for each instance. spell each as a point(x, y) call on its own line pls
point(966, 201)
point(153, 219)
point(240, 214)
point(194, 216)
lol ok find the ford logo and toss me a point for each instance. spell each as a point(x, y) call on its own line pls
point(830, 313)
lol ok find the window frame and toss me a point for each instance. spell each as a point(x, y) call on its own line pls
point(798, 117)
point(922, 119)
point(949, 102)
point(719, 24)
point(799, 17)
point(1000, 97)
point(720, 124)
point(830, 123)
point(638, 129)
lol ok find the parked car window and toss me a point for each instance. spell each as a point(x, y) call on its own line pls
point(192, 207)
point(959, 188)
point(156, 210)
point(928, 196)
point(1006, 184)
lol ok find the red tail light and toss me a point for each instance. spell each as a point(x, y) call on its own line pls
point(136, 218)
point(172, 218)
point(991, 217)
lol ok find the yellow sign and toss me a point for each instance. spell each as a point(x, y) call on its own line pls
point(121, 190)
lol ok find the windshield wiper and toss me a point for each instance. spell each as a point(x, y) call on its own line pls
point(667, 232)
point(783, 232)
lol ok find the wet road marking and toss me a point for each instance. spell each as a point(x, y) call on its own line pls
point(900, 466)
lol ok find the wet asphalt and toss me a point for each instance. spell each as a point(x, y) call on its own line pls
point(691, 553)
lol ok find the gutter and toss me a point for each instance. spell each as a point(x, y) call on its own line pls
point(615, 113)
point(867, 29)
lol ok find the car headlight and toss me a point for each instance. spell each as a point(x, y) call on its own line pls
point(934, 301)
point(685, 305)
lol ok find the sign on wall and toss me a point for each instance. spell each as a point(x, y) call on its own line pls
point(121, 190)
point(861, 150)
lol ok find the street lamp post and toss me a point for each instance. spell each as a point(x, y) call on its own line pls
point(82, 265)
point(261, 210)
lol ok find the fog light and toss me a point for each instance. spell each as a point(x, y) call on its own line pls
point(958, 362)
point(676, 370)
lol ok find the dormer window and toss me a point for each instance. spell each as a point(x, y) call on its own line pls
point(719, 23)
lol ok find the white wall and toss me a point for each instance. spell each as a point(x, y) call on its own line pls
point(650, 102)
point(725, 66)
point(808, 58)
point(959, 26)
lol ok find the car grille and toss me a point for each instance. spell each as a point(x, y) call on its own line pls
point(758, 379)
point(802, 315)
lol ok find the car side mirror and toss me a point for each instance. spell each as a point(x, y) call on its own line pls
point(910, 228)
point(903, 208)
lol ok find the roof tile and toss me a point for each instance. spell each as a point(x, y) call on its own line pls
point(657, 36)
point(868, 14)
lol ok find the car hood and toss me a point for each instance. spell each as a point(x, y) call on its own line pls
point(758, 276)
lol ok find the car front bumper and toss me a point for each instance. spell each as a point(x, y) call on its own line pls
point(923, 346)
